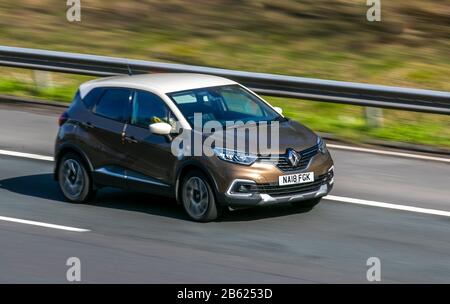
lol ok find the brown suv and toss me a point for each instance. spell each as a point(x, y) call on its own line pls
point(121, 131)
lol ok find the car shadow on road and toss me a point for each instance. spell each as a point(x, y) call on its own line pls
point(39, 185)
point(43, 186)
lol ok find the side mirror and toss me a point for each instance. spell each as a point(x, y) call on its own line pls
point(160, 128)
point(278, 109)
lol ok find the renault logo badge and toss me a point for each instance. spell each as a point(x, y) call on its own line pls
point(293, 157)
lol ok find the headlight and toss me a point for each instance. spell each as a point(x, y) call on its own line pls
point(322, 145)
point(235, 156)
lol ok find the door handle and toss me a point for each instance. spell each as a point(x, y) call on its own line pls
point(131, 139)
point(88, 125)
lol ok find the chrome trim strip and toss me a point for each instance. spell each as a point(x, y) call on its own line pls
point(110, 173)
point(230, 194)
point(331, 182)
point(147, 181)
point(128, 177)
point(266, 198)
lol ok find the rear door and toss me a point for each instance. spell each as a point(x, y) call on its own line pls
point(105, 127)
point(150, 160)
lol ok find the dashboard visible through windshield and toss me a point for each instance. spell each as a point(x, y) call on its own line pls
point(223, 104)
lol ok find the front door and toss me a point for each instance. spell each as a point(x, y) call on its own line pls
point(149, 158)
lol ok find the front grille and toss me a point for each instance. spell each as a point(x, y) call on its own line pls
point(283, 164)
point(277, 190)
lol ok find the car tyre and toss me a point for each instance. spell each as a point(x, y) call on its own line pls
point(74, 179)
point(198, 199)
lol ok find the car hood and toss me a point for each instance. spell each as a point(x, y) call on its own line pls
point(292, 135)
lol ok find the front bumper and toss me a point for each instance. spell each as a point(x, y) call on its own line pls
point(264, 199)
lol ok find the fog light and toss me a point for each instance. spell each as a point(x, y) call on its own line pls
point(244, 188)
point(330, 175)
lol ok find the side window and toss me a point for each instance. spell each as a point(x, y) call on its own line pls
point(113, 104)
point(76, 99)
point(92, 97)
point(149, 108)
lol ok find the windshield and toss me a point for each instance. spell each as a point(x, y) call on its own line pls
point(222, 104)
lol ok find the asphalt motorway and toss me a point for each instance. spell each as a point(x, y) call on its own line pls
point(139, 238)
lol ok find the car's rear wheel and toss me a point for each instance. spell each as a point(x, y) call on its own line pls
point(198, 198)
point(74, 180)
point(307, 204)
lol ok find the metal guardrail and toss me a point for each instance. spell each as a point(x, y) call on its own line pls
point(265, 84)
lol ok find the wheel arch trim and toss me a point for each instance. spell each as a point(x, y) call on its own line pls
point(200, 167)
point(70, 147)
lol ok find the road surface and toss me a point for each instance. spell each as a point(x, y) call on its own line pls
point(139, 238)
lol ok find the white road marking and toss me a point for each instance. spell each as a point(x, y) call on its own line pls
point(46, 225)
point(329, 197)
point(332, 146)
point(26, 155)
point(391, 153)
point(386, 205)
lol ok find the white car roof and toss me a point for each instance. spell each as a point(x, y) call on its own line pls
point(160, 82)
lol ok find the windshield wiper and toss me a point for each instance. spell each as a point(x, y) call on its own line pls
point(280, 119)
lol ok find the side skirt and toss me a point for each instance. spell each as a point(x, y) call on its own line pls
point(131, 180)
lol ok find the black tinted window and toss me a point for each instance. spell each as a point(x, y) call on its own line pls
point(92, 97)
point(148, 108)
point(76, 99)
point(113, 104)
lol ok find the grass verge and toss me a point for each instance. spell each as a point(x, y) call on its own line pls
point(344, 121)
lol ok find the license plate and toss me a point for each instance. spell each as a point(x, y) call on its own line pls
point(298, 178)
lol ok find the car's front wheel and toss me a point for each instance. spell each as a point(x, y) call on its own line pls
point(74, 180)
point(198, 198)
